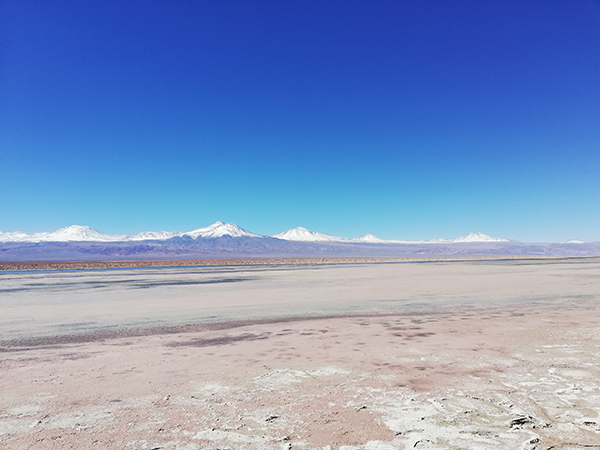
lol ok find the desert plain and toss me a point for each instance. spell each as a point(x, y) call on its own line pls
point(376, 356)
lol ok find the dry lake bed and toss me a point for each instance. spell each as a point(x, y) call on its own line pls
point(437, 355)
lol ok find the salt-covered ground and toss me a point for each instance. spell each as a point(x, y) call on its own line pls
point(444, 356)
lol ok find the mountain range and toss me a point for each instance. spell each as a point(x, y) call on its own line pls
point(78, 233)
point(227, 240)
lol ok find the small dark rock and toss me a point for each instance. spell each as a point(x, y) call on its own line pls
point(519, 422)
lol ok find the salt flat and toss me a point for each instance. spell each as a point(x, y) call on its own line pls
point(376, 356)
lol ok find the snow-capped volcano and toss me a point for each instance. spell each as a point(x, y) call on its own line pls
point(479, 237)
point(15, 236)
point(471, 237)
point(302, 234)
point(78, 233)
point(65, 234)
point(369, 238)
point(219, 229)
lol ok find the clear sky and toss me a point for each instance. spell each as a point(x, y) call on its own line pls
point(405, 119)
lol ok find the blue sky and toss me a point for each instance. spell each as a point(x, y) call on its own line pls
point(408, 120)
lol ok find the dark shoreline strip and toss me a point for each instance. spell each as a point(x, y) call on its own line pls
point(416, 310)
point(90, 265)
point(49, 342)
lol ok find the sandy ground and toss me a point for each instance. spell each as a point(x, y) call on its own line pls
point(381, 356)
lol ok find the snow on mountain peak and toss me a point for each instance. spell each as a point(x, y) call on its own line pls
point(305, 235)
point(19, 236)
point(65, 234)
point(369, 238)
point(219, 229)
point(478, 237)
point(152, 236)
point(77, 233)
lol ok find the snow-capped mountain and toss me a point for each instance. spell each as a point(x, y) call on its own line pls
point(152, 235)
point(219, 229)
point(573, 241)
point(368, 238)
point(304, 235)
point(478, 237)
point(65, 234)
point(79, 233)
point(15, 236)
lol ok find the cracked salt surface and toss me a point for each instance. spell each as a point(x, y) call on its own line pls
point(280, 377)
point(462, 420)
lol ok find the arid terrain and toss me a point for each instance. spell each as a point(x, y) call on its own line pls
point(375, 356)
